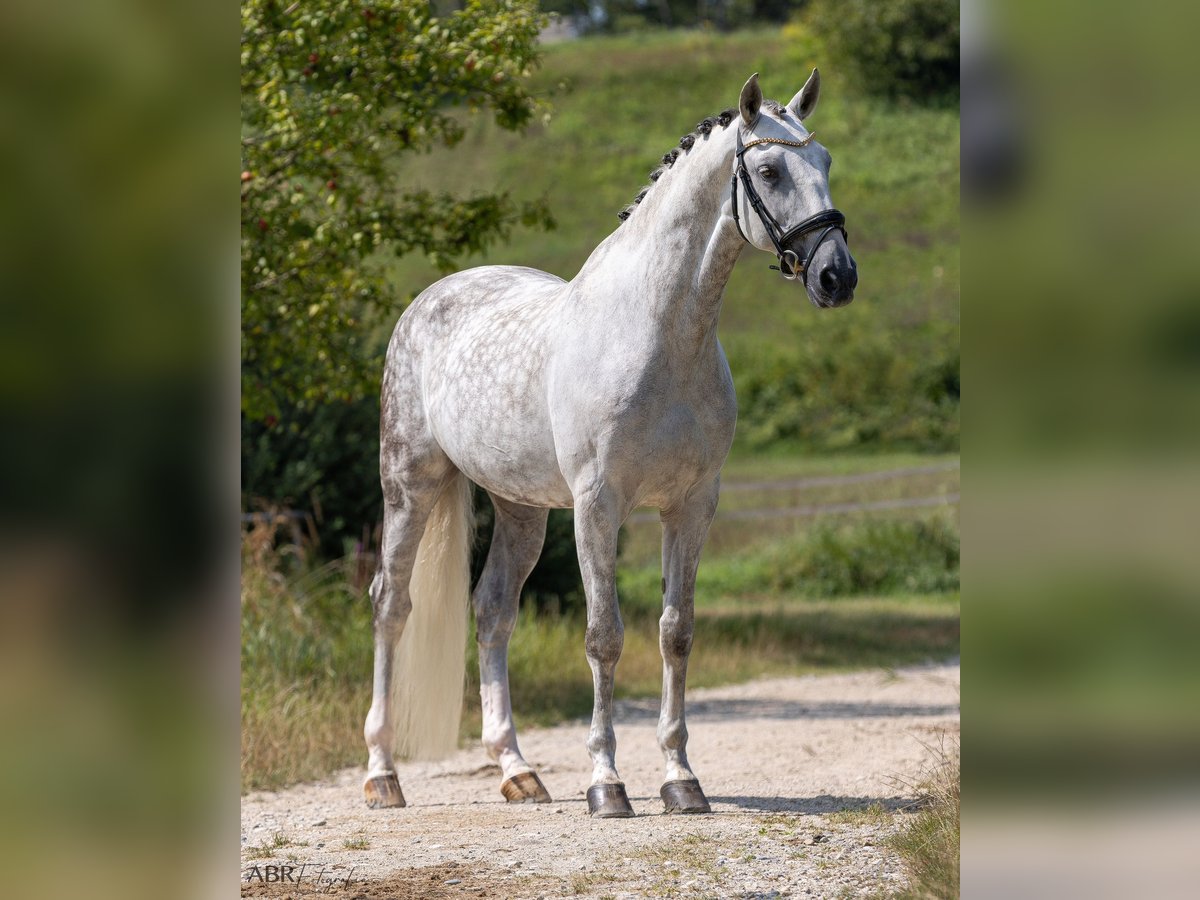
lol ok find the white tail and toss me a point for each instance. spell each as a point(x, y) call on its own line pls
point(430, 669)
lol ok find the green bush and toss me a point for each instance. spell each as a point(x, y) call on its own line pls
point(898, 48)
point(323, 460)
point(918, 557)
point(843, 384)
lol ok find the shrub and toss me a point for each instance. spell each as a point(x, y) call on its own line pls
point(844, 385)
point(901, 48)
point(918, 557)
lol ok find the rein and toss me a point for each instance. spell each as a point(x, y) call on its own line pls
point(791, 266)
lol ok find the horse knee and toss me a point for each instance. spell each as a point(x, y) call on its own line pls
point(603, 641)
point(674, 635)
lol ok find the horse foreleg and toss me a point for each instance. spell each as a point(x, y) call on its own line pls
point(517, 542)
point(684, 531)
point(597, 521)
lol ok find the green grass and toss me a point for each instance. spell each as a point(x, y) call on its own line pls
point(270, 848)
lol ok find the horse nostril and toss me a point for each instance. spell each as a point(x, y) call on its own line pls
point(830, 280)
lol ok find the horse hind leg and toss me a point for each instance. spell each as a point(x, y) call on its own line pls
point(517, 540)
point(407, 511)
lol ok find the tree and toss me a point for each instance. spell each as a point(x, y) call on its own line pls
point(334, 94)
point(902, 48)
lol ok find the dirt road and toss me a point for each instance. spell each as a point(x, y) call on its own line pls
point(806, 776)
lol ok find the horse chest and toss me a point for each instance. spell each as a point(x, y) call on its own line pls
point(658, 428)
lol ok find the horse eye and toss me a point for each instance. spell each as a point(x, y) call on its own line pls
point(767, 172)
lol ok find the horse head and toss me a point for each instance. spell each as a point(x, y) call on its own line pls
point(779, 196)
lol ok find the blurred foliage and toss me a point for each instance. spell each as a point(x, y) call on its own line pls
point(332, 94)
point(322, 459)
point(886, 557)
point(848, 385)
point(918, 557)
point(618, 16)
point(901, 48)
point(554, 585)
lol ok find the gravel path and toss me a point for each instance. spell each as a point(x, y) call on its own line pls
point(807, 777)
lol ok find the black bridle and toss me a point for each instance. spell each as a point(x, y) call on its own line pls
point(790, 265)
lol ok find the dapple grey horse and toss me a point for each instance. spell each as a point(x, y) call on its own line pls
point(601, 394)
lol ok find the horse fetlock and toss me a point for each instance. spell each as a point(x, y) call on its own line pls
point(499, 738)
point(672, 735)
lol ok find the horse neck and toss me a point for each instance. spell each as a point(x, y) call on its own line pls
point(667, 266)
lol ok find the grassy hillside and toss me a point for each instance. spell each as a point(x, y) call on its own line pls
point(619, 103)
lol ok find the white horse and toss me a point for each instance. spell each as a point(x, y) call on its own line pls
point(603, 393)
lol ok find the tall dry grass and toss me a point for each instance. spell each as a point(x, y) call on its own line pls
point(929, 844)
point(306, 659)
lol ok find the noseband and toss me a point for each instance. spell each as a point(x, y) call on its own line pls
point(790, 265)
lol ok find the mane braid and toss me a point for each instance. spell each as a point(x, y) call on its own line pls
point(686, 143)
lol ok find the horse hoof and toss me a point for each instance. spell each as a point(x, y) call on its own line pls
point(684, 797)
point(525, 787)
point(383, 792)
point(609, 801)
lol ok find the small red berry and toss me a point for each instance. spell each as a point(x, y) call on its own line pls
point(262, 225)
point(331, 184)
point(313, 58)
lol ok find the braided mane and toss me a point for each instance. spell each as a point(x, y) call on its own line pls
point(686, 142)
point(723, 118)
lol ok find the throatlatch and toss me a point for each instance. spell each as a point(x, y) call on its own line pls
point(790, 265)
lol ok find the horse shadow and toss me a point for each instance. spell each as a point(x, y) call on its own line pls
point(631, 711)
point(815, 806)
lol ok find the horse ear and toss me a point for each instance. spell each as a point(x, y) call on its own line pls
point(751, 100)
point(806, 98)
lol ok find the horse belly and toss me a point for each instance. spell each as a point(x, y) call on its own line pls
point(492, 422)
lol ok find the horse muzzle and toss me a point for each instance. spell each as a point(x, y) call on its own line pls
point(833, 285)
